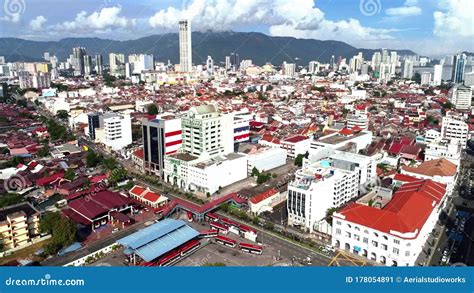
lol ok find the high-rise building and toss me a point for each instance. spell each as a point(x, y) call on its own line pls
point(407, 70)
point(210, 65)
point(394, 58)
point(46, 56)
point(228, 64)
point(88, 66)
point(425, 78)
point(207, 132)
point(78, 54)
point(332, 62)
point(161, 136)
point(95, 121)
point(385, 56)
point(98, 64)
point(461, 97)
point(437, 74)
point(313, 67)
point(289, 69)
point(140, 63)
point(317, 188)
point(453, 126)
point(117, 130)
point(117, 63)
point(458, 68)
point(376, 60)
point(185, 46)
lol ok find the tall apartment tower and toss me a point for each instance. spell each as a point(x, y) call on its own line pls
point(78, 60)
point(185, 46)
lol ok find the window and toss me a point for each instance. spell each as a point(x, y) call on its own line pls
point(356, 237)
point(396, 241)
point(338, 231)
point(375, 243)
point(395, 250)
point(384, 246)
point(338, 222)
point(366, 240)
point(407, 253)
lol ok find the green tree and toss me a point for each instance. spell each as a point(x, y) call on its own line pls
point(117, 175)
point(62, 114)
point(43, 152)
point(299, 160)
point(92, 159)
point(63, 231)
point(152, 109)
point(329, 213)
point(70, 174)
point(255, 171)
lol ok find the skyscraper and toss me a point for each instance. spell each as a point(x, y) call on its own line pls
point(407, 71)
point(116, 63)
point(458, 68)
point(227, 63)
point(78, 54)
point(88, 65)
point(210, 65)
point(185, 46)
point(98, 64)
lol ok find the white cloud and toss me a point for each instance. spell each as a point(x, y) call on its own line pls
point(37, 23)
point(456, 19)
point(403, 11)
point(409, 8)
point(106, 19)
point(298, 18)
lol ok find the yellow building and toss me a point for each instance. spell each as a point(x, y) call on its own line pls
point(18, 225)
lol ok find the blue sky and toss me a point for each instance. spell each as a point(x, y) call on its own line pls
point(429, 27)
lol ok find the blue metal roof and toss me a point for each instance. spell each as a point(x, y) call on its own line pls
point(159, 238)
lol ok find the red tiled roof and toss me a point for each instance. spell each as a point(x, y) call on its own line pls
point(47, 180)
point(296, 138)
point(264, 195)
point(137, 190)
point(407, 212)
point(151, 196)
point(404, 178)
point(345, 131)
point(139, 153)
point(98, 203)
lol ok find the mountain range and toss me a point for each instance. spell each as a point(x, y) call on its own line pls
point(259, 47)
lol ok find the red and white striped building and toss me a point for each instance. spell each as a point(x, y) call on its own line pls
point(161, 136)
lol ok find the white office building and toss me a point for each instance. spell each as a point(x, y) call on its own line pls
point(454, 127)
point(345, 139)
point(207, 132)
point(317, 188)
point(444, 148)
point(117, 130)
point(461, 97)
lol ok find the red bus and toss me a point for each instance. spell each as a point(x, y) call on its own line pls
point(148, 264)
point(251, 248)
point(225, 241)
point(219, 227)
point(189, 247)
point(209, 233)
point(229, 222)
point(244, 229)
point(211, 217)
point(169, 258)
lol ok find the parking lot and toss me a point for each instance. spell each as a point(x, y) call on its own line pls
point(212, 253)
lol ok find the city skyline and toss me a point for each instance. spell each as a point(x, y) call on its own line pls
point(416, 25)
